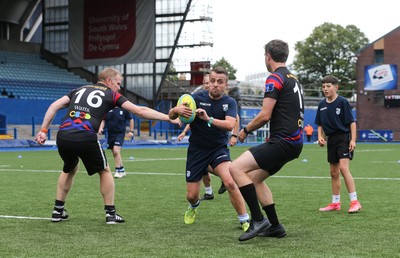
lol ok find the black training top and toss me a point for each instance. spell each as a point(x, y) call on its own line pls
point(288, 115)
point(88, 106)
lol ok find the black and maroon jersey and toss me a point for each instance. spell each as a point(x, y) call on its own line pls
point(288, 115)
point(88, 106)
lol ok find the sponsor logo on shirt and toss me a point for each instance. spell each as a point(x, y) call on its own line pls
point(269, 87)
point(205, 104)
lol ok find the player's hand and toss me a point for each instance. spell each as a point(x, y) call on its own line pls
point(321, 141)
point(232, 141)
point(176, 121)
point(183, 110)
point(352, 145)
point(202, 114)
point(41, 138)
point(242, 136)
point(181, 136)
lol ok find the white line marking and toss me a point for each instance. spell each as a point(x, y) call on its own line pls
point(22, 217)
point(172, 159)
point(323, 177)
point(182, 173)
point(371, 150)
point(30, 170)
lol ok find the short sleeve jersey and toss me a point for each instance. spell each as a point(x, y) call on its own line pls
point(116, 120)
point(287, 117)
point(87, 108)
point(211, 136)
point(335, 116)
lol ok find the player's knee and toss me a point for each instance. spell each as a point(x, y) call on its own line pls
point(233, 170)
point(230, 184)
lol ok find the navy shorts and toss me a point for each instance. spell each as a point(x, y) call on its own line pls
point(115, 139)
point(198, 160)
point(90, 152)
point(274, 154)
point(338, 147)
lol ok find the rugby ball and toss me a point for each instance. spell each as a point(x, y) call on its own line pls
point(190, 102)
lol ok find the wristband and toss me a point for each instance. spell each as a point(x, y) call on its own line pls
point(245, 130)
point(234, 135)
point(44, 130)
point(210, 121)
point(131, 131)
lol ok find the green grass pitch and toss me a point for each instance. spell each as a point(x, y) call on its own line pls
point(152, 200)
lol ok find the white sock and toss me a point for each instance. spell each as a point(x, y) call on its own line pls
point(335, 198)
point(353, 196)
point(208, 190)
point(243, 218)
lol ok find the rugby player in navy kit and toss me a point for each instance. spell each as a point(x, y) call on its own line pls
point(77, 137)
point(216, 116)
point(115, 123)
point(283, 108)
point(335, 120)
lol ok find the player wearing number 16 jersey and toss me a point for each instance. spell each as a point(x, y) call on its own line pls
point(283, 108)
point(77, 137)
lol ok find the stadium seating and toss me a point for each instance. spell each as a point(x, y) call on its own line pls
point(28, 76)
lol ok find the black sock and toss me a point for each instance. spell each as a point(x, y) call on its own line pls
point(197, 204)
point(59, 205)
point(250, 196)
point(120, 169)
point(110, 209)
point(271, 214)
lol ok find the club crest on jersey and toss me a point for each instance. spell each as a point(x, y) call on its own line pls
point(269, 87)
point(225, 107)
point(337, 111)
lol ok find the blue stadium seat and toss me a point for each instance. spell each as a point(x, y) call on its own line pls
point(27, 75)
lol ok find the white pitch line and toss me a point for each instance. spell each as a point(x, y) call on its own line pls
point(22, 217)
point(29, 170)
point(323, 177)
point(182, 173)
point(275, 176)
point(140, 159)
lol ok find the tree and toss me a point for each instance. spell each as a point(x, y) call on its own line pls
point(225, 64)
point(330, 49)
point(171, 74)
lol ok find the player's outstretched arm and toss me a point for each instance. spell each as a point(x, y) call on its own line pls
point(148, 113)
point(49, 116)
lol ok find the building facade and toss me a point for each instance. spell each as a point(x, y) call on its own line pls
point(378, 89)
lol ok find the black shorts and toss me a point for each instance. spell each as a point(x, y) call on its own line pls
point(338, 147)
point(198, 160)
point(90, 152)
point(274, 154)
point(115, 139)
